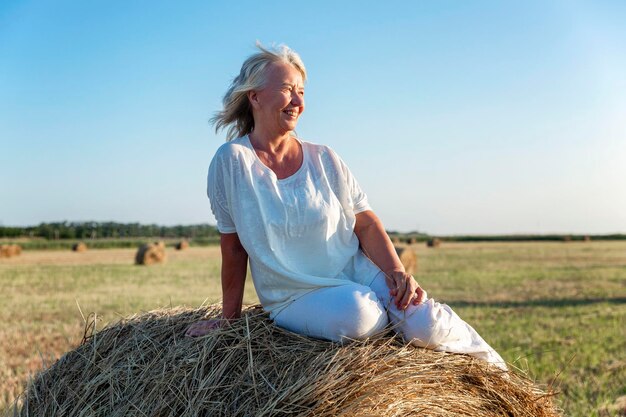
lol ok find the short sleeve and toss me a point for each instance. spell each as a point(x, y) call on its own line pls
point(359, 198)
point(357, 195)
point(217, 192)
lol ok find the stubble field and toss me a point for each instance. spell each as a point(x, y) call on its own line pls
point(555, 310)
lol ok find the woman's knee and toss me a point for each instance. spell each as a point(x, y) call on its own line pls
point(430, 325)
point(362, 314)
point(335, 313)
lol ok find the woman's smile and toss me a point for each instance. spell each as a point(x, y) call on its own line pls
point(282, 96)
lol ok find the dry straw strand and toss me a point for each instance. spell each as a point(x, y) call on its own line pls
point(144, 366)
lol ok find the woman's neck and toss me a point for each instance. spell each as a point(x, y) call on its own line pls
point(271, 143)
point(283, 155)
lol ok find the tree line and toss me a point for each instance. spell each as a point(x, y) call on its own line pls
point(199, 232)
point(97, 230)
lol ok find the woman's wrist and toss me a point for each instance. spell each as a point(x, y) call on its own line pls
point(394, 269)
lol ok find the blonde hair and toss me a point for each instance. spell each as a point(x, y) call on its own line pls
point(236, 115)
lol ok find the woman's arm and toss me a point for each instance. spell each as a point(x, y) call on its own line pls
point(234, 269)
point(376, 245)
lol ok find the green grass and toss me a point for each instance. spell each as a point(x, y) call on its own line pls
point(555, 310)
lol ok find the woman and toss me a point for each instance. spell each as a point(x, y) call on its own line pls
point(321, 261)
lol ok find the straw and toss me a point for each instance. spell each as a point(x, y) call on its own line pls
point(145, 366)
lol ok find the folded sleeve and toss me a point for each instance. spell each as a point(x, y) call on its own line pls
point(217, 191)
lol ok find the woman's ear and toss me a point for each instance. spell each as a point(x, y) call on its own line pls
point(253, 98)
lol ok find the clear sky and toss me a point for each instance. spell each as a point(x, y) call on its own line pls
point(456, 117)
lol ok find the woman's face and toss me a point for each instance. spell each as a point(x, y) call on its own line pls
point(280, 103)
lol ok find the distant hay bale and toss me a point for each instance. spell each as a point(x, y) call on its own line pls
point(150, 253)
point(411, 240)
point(182, 245)
point(144, 366)
point(433, 243)
point(618, 408)
point(395, 240)
point(408, 258)
point(567, 238)
point(587, 238)
point(79, 247)
point(8, 251)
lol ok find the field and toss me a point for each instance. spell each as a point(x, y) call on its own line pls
point(555, 310)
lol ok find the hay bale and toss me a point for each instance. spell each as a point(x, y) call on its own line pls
point(433, 243)
point(411, 241)
point(566, 238)
point(408, 258)
point(79, 247)
point(617, 409)
point(182, 245)
point(8, 251)
point(587, 238)
point(150, 253)
point(144, 366)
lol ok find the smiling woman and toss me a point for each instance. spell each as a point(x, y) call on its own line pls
point(236, 114)
point(321, 261)
point(278, 106)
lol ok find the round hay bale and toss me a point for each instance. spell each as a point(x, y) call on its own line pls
point(79, 247)
point(587, 238)
point(433, 243)
point(411, 241)
point(8, 251)
point(408, 258)
point(618, 408)
point(144, 366)
point(182, 245)
point(150, 253)
point(566, 238)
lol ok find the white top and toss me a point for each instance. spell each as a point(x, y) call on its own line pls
point(298, 231)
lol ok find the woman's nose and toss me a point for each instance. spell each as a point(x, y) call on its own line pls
point(297, 99)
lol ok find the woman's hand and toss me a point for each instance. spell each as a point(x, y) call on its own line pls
point(377, 246)
point(204, 327)
point(404, 289)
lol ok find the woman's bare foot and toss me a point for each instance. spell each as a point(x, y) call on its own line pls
point(203, 327)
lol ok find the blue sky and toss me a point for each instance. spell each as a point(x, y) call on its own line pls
point(456, 117)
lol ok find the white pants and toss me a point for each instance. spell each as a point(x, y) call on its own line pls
point(355, 311)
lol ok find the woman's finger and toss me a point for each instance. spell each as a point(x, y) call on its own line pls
point(401, 289)
point(408, 295)
point(420, 295)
